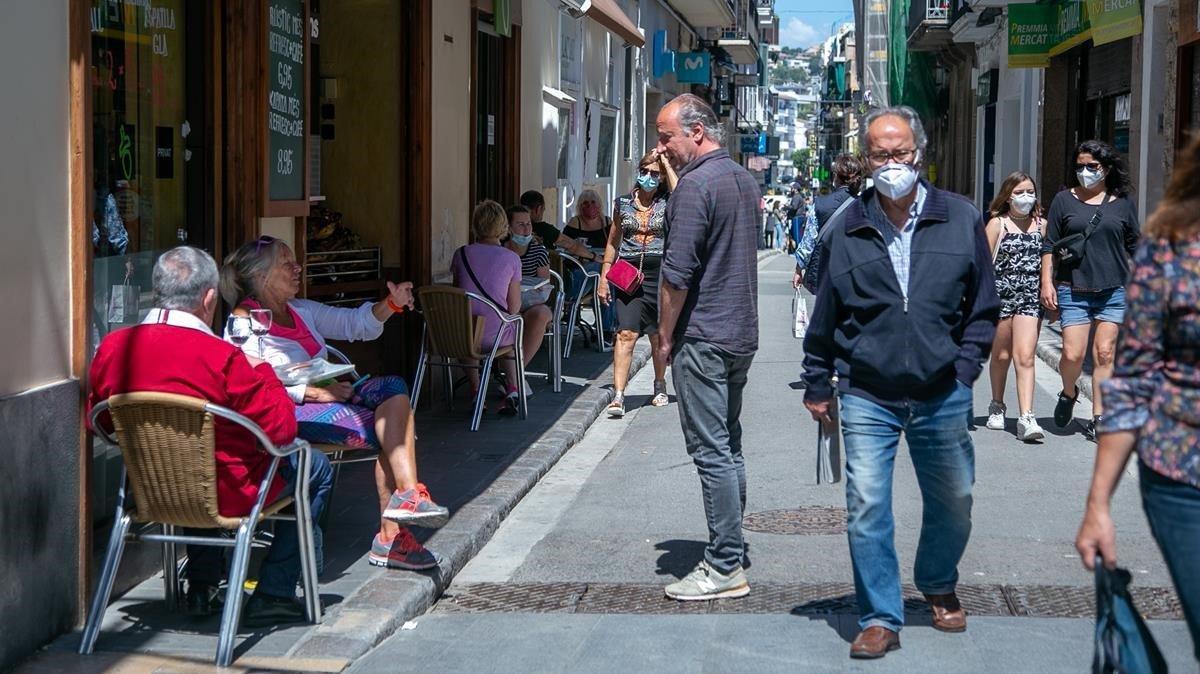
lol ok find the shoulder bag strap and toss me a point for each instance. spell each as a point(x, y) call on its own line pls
point(479, 286)
point(1095, 221)
point(840, 210)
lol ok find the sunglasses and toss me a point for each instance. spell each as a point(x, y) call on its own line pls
point(264, 240)
point(1093, 165)
point(650, 172)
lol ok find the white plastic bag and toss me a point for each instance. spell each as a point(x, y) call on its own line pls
point(799, 315)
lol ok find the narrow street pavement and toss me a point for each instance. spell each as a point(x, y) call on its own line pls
point(572, 580)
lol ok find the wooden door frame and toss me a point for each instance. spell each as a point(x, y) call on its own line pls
point(79, 43)
point(510, 100)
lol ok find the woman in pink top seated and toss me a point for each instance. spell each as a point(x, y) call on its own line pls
point(489, 269)
point(265, 274)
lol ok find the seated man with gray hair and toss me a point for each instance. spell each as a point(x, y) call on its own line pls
point(174, 350)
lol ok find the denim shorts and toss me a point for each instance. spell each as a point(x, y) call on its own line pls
point(1079, 307)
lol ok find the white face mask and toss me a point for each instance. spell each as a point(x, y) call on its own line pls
point(1023, 203)
point(1089, 178)
point(895, 181)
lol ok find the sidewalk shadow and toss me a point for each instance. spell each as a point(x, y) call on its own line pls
point(679, 557)
point(841, 614)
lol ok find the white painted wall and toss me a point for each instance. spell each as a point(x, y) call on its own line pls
point(35, 189)
point(452, 143)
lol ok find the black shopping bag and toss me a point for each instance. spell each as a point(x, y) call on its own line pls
point(1124, 644)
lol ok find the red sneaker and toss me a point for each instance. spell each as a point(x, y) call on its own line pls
point(402, 552)
point(414, 507)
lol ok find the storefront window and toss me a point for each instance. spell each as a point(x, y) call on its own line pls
point(141, 151)
point(148, 166)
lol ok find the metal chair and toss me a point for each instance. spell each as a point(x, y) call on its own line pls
point(591, 278)
point(554, 331)
point(452, 333)
point(168, 444)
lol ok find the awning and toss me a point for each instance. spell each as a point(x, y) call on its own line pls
point(610, 15)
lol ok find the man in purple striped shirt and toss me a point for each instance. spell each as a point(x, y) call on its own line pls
point(708, 327)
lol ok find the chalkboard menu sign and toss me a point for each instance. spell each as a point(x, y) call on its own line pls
point(286, 103)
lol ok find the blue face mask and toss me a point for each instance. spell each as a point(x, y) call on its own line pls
point(647, 182)
point(522, 240)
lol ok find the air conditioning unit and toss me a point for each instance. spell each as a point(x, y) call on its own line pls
point(576, 8)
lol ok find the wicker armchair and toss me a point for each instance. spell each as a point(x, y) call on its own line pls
point(452, 334)
point(170, 478)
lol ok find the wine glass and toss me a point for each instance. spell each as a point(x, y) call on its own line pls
point(239, 329)
point(260, 325)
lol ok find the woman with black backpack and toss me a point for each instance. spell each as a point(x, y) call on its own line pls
point(1092, 231)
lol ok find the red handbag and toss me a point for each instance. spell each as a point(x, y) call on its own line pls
point(625, 276)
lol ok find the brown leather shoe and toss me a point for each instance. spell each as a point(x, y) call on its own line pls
point(948, 614)
point(874, 642)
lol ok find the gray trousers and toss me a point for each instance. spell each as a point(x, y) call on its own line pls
point(709, 383)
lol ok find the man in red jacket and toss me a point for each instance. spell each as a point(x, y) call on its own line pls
point(174, 351)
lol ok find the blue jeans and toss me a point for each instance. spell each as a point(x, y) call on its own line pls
point(709, 383)
point(1080, 307)
point(944, 458)
point(280, 569)
point(1173, 509)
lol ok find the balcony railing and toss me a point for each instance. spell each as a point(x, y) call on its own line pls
point(937, 11)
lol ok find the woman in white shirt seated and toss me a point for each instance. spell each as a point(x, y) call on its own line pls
point(264, 274)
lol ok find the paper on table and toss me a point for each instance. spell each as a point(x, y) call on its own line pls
point(532, 283)
point(309, 371)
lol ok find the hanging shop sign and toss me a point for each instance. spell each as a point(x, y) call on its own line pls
point(664, 59)
point(1031, 30)
point(285, 110)
point(1037, 32)
point(693, 67)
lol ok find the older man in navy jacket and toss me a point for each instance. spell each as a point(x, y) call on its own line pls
point(904, 316)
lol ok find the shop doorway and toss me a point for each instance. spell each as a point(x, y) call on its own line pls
point(495, 120)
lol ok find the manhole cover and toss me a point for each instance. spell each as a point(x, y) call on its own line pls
point(804, 521)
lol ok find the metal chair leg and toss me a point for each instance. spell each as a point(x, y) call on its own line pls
point(484, 375)
point(308, 552)
point(555, 354)
point(572, 318)
point(108, 574)
point(232, 614)
point(170, 569)
point(599, 315)
point(419, 376)
point(448, 382)
point(519, 356)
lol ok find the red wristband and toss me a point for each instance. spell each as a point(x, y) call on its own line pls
point(394, 307)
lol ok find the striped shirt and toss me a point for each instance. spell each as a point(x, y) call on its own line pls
point(535, 258)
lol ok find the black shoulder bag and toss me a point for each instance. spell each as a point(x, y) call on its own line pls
point(1069, 249)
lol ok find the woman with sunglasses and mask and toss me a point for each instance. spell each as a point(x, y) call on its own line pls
point(1095, 218)
point(636, 238)
point(376, 413)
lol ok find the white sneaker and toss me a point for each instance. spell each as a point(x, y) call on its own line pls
point(1028, 429)
point(996, 412)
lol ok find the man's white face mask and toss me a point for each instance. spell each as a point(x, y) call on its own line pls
point(894, 180)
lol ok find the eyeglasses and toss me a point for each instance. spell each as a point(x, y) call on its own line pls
point(901, 156)
point(1093, 165)
point(649, 172)
point(264, 240)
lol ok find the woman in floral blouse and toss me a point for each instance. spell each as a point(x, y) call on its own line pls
point(1152, 401)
